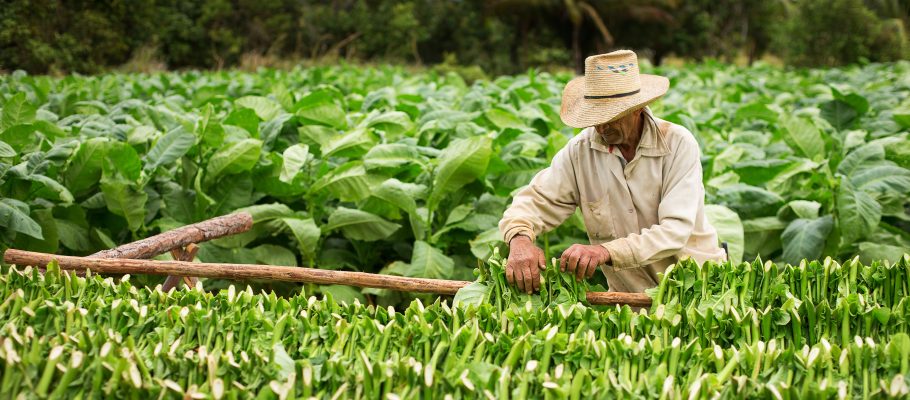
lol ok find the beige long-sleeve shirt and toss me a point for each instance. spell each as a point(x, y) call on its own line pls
point(648, 213)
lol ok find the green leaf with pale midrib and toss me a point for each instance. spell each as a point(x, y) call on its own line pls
point(360, 225)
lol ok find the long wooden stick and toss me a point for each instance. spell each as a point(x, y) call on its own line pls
point(177, 238)
point(270, 272)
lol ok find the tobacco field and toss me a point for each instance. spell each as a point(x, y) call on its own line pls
point(392, 171)
point(381, 169)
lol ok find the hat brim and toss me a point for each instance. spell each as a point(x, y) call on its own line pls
point(579, 112)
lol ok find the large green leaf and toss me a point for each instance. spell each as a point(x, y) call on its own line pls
point(320, 107)
point(462, 162)
point(858, 213)
point(50, 241)
point(360, 225)
point(729, 229)
point(122, 162)
point(399, 194)
point(243, 118)
point(757, 172)
point(804, 137)
point(16, 111)
point(14, 216)
point(393, 123)
point(899, 153)
point(480, 245)
point(73, 236)
point(141, 135)
point(871, 252)
point(805, 238)
point(392, 156)
point(7, 151)
point(210, 132)
point(749, 201)
point(229, 197)
point(179, 203)
point(756, 111)
point(307, 234)
point(844, 110)
point(235, 158)
point(294, 158)
point(47, 188)
point(901, 116)
point(267, 212)
point(349, 182)
point(882, 179)
point(429, 262)
point(169, 148)
point(274, 255)
point(83, 171)
point(805, 209)
point(349, 144)
point(504, 119)
point(126, 200)
point(861, 157)
point(265, 108)
point(473, 294)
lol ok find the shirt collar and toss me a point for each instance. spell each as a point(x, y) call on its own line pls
point(652, 143)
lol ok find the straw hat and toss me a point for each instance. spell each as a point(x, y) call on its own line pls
point(610, 89)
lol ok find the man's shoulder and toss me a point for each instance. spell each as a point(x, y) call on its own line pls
point(580, 141)
point(675, 135)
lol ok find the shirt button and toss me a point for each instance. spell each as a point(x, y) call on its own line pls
point(631, 210)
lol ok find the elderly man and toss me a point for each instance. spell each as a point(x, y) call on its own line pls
point(636, 178)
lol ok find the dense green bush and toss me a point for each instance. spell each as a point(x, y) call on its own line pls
point(833, 32)
point(503, 36)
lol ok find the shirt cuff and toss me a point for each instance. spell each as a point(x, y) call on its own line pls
point(518, 230)
point(621, 256)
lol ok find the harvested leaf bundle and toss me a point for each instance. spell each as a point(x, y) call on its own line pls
point(491, 286)
point(66, 336)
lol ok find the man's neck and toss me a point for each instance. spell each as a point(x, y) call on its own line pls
point(628, 149)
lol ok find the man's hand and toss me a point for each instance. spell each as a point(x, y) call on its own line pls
point(583, 260)
point(524, 264)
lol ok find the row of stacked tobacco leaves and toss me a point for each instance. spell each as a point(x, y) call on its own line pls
point(814, 330)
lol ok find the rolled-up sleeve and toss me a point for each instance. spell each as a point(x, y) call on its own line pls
point(546, 202)
point(681, 196)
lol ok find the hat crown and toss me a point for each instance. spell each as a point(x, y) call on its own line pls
point(611, 75)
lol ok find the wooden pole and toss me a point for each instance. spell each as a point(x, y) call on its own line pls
point(287, 274)
point(181, 237)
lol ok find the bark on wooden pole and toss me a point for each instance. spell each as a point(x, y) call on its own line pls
point(178, 238)
point(287, 274)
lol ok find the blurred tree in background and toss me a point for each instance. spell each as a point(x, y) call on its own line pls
point(499, 36)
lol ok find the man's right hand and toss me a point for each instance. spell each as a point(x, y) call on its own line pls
point(524, 264)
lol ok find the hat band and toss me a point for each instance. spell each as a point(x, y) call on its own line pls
point(613, 96)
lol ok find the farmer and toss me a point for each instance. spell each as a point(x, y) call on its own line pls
point(636, 178)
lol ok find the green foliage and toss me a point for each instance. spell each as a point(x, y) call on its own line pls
point(747, 330)
point(834, 32)
point(382, 170)
point(473, 38)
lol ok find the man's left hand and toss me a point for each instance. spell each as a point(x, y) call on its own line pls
point(583, 260)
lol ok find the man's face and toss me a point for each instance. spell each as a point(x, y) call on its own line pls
point(620, 131)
